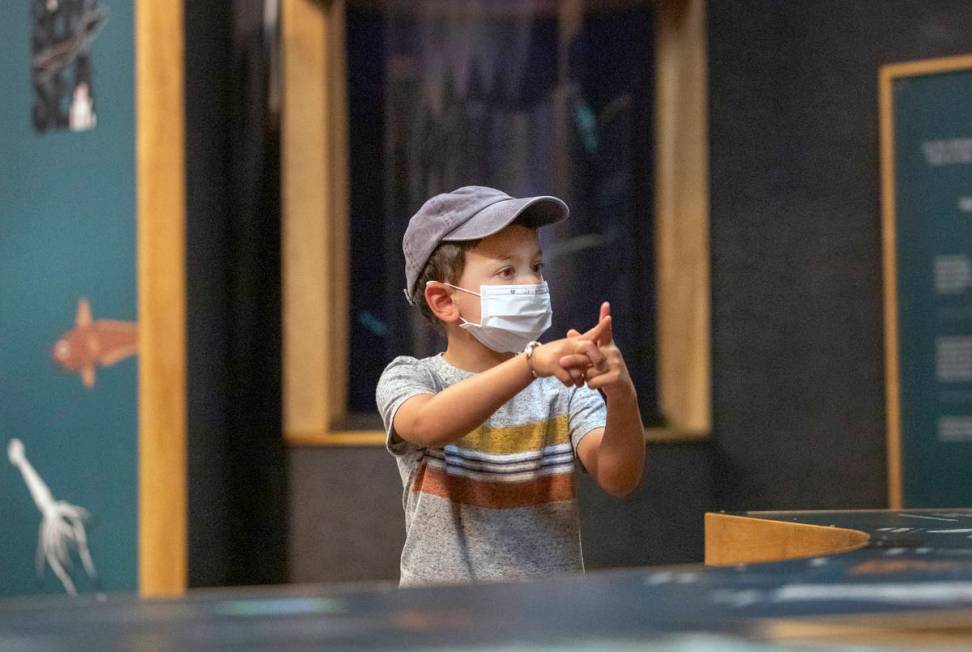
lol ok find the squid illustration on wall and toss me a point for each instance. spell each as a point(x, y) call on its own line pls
point(62, 524)
point(92, 343)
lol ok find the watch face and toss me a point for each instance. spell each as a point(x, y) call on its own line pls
point(62, 73)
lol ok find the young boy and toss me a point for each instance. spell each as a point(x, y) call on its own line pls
point(486, 433)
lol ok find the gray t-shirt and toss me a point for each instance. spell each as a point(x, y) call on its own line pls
point(499, 503)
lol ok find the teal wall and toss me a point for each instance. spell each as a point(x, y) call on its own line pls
point(67, 230)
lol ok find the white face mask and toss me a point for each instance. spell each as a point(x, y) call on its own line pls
point(511, 316)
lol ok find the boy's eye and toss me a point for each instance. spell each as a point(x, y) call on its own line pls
point(506, 272)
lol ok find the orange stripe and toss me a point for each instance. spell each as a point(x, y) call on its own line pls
point(496, 495)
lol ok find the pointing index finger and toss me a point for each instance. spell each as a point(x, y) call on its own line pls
point(599, 332)
point(605, 310)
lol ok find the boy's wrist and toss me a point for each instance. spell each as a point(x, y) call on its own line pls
point(528, 352)
point(622, 392)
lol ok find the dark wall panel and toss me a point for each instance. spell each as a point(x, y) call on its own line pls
point(661, 522)
point(207, 48)
point(346, 518)
point(236, 458)
point(796, 276)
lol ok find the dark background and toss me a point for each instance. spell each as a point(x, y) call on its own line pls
point(798, 379)
point(237, 463)
point(404, 148)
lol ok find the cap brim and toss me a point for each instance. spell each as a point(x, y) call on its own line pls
point(543, 210)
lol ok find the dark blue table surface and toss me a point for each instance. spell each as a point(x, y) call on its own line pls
point(918, 560)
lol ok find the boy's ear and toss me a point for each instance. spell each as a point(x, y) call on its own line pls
point(439, 299)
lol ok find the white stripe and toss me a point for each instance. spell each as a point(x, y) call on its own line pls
point(508, 457)
point(950, 593)
point(930, 518)
point(529, 465)
point(560, 469)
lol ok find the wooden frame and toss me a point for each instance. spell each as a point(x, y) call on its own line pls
point(315, 224)
point(682, 271)
point(887, 76)
point(161, 197)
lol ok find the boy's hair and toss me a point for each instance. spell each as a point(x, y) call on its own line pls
point(446, 263)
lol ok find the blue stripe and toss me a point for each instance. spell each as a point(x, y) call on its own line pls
point(539, 455)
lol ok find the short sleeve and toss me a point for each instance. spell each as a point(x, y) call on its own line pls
point(586, 411)
point(404, 378)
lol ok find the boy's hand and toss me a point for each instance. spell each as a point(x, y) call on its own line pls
point(610, 376)
point(581, 352)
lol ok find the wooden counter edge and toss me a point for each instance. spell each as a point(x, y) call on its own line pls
point(732, 539)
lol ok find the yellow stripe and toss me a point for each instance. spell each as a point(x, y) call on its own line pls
point(518, 438)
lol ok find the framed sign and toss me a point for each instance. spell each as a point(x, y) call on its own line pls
point(926, 167)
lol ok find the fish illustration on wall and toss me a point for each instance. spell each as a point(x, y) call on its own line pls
point(93, 343)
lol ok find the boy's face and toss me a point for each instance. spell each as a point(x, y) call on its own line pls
point(509, 257)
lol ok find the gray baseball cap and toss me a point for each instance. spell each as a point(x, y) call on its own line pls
point(469, 213)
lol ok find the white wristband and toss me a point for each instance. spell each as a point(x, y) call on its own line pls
point(528, 351)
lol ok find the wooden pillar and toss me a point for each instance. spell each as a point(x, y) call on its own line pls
point(682, 217)
point(161, 197)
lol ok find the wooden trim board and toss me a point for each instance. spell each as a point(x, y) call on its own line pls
point(682, 218)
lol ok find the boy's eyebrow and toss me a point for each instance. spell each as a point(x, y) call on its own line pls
point(537, 254)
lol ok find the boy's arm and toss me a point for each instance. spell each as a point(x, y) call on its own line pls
point(613, 455)
point(437, 419)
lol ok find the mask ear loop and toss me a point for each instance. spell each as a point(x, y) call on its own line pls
point(465, 322)
point(455, 287)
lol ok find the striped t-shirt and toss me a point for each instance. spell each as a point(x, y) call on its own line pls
point(500, 502)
